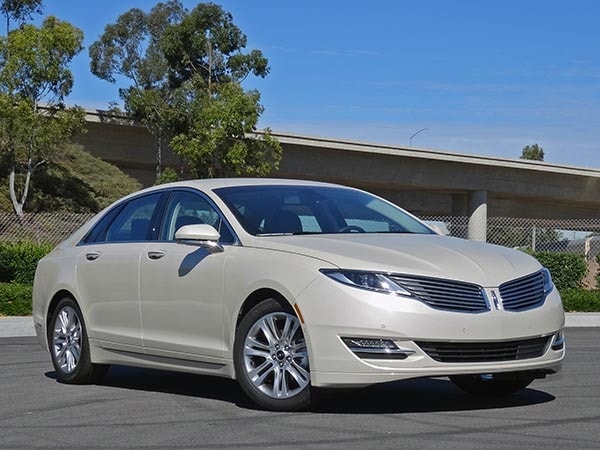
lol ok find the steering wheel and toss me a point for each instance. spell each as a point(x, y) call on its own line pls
point(351, 228)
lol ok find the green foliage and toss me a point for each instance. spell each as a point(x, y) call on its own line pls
point(218, 142)
point(217, 117)
point(567, 269)
point(206, 48)
point(35, 61)
point(18, 261)
point(186, 69)
point(15, 299)
point(74, 181)
point(19, 10)
point(581, 300)
point(85, 183)
point(130, 48)
point(168, 175)
point(533, 152)
point(34, 70)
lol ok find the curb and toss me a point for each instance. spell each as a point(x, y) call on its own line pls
point(16, 326)
point(23, 326)
point(573, 320)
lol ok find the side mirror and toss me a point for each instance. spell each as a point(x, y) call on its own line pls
point(201, 235)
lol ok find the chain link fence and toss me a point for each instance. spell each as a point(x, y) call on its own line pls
point(41, 227)
point(580, 236)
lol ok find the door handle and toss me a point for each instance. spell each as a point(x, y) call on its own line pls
point(92, 256)
point(156, 254)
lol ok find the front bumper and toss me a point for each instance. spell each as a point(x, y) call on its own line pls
point(332, 311)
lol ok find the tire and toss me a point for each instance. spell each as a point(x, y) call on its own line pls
point(69, 346)
point(494, 385)
point(271, 359)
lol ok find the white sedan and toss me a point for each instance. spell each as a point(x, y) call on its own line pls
point(284, 285)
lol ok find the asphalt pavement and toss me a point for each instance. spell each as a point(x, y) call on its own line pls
point(150, 409)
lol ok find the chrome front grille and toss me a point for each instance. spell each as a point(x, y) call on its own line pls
point(442, 294)
point(523, 293)
point(475, 352)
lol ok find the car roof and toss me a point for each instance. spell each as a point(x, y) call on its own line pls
point(215, 183)
point(209, 184)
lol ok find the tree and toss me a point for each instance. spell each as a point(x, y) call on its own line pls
point(19, 10)
point(34, 79)
point(218, 140)
point(217, 122)
point(130, 48)
point(533, 152)
point(187, 69)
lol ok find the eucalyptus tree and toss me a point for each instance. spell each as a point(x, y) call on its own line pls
point(186, 70)
point(217, 118)
point(19, 10)
point(129, 51)
point(34, 80)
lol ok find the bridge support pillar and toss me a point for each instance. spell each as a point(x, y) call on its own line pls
point(477, 212)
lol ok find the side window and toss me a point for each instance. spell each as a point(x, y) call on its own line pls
point(98, 233)
point(134, 220)
point(187, 208)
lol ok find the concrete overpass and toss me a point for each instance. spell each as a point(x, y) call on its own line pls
point(425, 182)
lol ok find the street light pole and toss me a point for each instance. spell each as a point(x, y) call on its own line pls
point(410, 139)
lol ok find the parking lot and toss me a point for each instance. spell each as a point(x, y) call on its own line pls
point(147, 409)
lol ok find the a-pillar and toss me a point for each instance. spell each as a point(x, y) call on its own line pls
point(477, 211)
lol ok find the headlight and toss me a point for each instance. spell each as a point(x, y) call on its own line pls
point(548, 284)
point(370, 281)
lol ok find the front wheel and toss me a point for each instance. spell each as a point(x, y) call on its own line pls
point(271, 359)
point(492, 385)
point(69, 346)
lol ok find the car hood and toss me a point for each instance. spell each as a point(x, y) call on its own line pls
point(427, 255)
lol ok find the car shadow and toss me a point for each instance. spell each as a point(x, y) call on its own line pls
point(421, 395)
point(176, 383)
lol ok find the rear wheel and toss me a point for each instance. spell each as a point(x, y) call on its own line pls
point(492, 385)
point(271, 358)
point(69, 346)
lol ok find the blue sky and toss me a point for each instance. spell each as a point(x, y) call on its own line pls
point(483, 77)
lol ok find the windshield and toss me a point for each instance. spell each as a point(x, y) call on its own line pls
point(284, 210)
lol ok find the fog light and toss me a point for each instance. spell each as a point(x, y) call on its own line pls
point(376, 348)
point(558, 342)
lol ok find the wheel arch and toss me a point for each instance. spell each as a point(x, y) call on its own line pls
point(56, 298)
point(258, 296)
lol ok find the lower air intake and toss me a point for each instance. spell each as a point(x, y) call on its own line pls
point(474, 352)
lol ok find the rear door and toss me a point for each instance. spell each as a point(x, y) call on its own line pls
point(108, 271)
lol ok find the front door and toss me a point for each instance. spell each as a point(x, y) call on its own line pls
point(182, 286)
